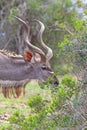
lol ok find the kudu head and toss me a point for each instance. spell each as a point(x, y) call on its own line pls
point(33, 65)
point(40, 62)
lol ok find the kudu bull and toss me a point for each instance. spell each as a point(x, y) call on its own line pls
point(20, 69)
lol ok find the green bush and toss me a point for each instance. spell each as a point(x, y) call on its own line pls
point(30, 122)
point(17, 117)
point(69, 85)
point(36, 103)
point(35, 121)
point(5, 126)
point(69, 81)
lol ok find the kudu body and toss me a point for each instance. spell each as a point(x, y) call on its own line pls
point(28, 66)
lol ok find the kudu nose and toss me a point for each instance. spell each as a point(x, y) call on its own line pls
point(56, 83)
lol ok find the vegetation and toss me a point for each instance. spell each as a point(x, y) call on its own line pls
point(44, 107)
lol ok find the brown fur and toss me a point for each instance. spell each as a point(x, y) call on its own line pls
point(13, 88)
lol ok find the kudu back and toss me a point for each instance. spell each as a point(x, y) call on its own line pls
point(29, 66)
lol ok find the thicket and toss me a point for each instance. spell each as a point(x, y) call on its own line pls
point(66, 34)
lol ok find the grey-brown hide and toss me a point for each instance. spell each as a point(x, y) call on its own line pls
point(17, 68)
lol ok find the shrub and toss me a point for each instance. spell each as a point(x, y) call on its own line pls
point(36, 102)
point(70, 85)
point(69, 81)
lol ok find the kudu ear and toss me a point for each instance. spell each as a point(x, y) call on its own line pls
point(28, 55)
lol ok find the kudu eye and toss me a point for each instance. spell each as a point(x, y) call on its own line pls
point(44, 67)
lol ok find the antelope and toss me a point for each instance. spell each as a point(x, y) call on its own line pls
point(29, 66)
